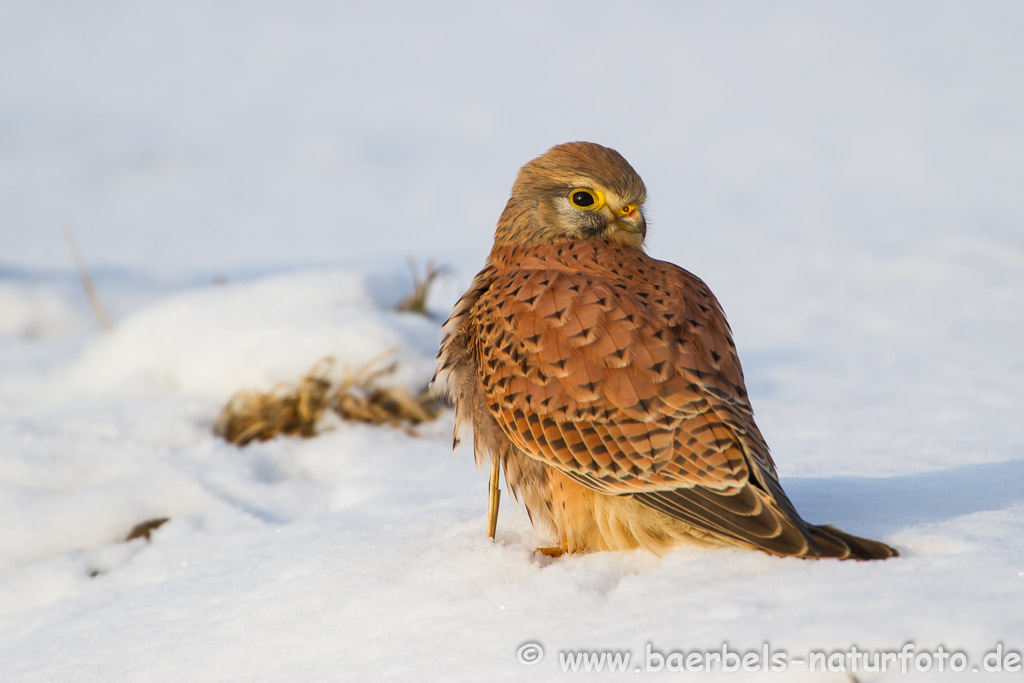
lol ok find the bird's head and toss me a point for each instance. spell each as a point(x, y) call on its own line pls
point(578, 190)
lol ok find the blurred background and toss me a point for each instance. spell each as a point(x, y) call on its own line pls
point(217, 138)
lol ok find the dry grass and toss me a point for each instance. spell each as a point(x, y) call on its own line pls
point(416, 302)
point(86, 279)
point(295, 410)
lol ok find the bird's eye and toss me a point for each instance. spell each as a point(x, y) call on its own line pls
point(583, 199)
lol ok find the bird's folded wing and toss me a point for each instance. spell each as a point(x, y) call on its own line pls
point(632, 385)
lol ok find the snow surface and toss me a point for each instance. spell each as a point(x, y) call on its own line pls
point(246, 181)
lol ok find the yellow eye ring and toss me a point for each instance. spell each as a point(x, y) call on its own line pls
point(586, 199)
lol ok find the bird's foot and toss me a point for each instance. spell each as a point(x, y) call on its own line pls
point(556, 551)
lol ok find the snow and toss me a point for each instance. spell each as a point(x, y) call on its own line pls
point(246, 182)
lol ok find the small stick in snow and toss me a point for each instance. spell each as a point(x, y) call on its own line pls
point(416, 302)
point(83, 274)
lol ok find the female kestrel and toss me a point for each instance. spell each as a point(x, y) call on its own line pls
point(607, 383)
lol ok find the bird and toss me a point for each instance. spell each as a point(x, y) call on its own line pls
point(606, 384)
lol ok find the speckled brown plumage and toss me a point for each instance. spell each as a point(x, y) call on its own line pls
point(607, 382)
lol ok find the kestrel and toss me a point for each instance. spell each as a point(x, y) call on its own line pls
point(606, 383)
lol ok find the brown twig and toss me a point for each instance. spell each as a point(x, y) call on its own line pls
point(83, 274)
point(416, 302)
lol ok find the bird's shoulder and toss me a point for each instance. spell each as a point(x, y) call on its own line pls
point(571, 273)
point(578, 328)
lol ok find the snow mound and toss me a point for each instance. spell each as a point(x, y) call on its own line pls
point(213, 341)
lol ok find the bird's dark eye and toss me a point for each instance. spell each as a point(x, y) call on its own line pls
point(582, 199)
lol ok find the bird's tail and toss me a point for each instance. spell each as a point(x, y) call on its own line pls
point(833, 542)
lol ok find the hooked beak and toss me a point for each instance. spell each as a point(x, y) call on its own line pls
point(629, 219)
